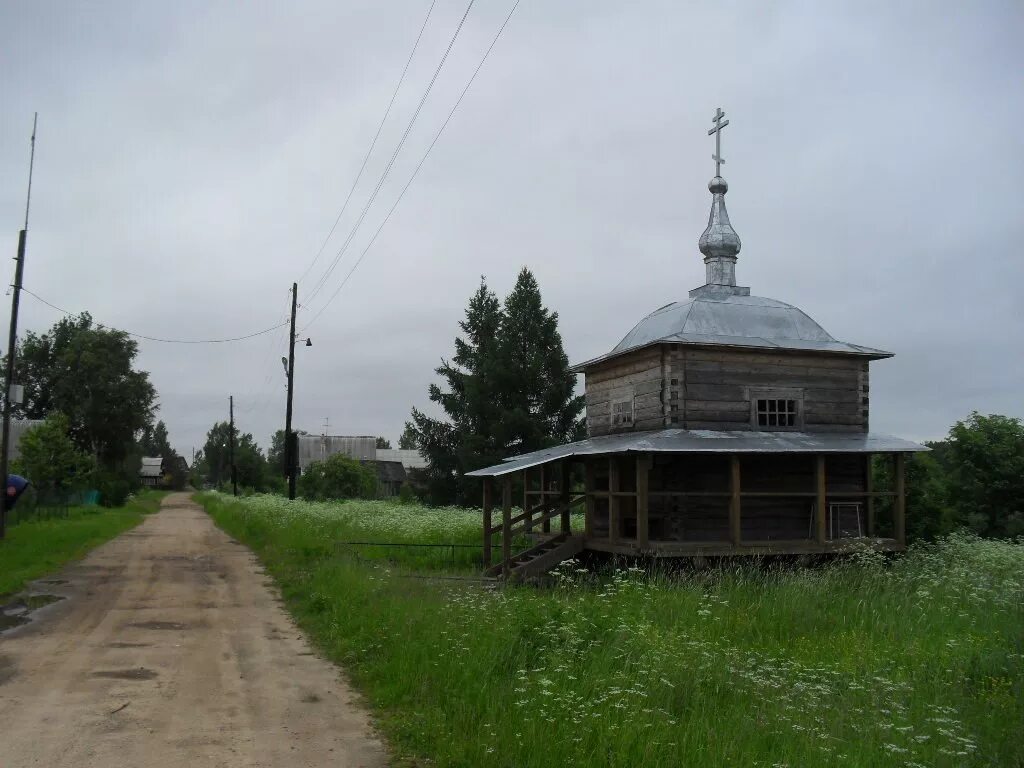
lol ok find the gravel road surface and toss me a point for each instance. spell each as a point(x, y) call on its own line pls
point(171, 649)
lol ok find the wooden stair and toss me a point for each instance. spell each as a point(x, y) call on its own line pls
point(540, 557)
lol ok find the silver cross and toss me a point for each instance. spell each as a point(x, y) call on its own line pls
point(717, 131)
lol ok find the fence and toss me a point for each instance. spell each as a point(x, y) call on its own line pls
point(452, 547)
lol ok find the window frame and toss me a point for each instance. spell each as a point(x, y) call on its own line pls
point(794, 394)
point(612, 415)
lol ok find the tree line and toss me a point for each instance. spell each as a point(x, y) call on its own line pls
point(80, 379)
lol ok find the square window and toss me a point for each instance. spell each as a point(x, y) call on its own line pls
point(674, 396)
point(777, 412)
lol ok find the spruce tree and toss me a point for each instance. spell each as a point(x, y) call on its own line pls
point(465, 441)
point(538, 404)
point(507, 390)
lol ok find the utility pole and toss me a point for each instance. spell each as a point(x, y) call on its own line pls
point(12, 339)
point(231, 450)
point(290, 447)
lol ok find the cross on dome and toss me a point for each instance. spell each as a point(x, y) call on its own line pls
point(717, 132)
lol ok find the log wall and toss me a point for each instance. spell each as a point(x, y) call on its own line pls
point(689, 388)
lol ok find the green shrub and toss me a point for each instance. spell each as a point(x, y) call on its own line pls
point(406, 495)
point(114, 488)
point(337, 477)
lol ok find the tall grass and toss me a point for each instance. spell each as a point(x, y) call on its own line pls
point(914, 662)
point(36, 547)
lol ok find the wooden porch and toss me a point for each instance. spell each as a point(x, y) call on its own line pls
point(695, 504)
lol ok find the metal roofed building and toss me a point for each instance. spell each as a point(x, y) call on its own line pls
point(725, 424)
point(151, 472)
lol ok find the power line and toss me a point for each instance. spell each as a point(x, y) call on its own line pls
point(380, 183)
point(37, 297)
point(415, 172)
point(373, 143)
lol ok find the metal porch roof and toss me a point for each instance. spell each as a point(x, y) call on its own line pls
point(708, 441)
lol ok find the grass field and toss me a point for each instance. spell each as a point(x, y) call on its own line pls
point(915, 662)
point(34, 548)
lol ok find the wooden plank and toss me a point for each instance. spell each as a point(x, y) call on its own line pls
point(643, 466)
point(820, 504)
point(527, 509)
point(727, 549)
point(869, 488)
point(506, 524)
point(566, 518)
point(650, 400)
point(652, 422)
point(774, 358)
point(642, 366)
point(613, 500)
point(736, 406)
point(794, 368)
point(724, 417)
point(487, 522)
point(589, 481)
point(546, 524)
point(901, 500)
point(792, 378)
point(735, 530)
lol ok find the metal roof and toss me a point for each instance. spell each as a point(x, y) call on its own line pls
point(151, 466)
point(736, 320)
point(708, 441)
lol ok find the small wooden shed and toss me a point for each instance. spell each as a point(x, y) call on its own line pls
point(725, 424)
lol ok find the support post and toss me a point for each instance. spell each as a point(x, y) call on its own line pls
point(231, 455)
point(487, 522)
point(546, 525)
point(506, 525)
point(900, 523)
point(643, 466)
point(820, 505)
point(614, 501)
point(527, 507)
point(735, 503)
point(291, 447)
point(869, 488)
point(565, 498)
point(589, 481)
point(12, 343)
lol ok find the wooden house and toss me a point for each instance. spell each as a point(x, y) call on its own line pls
point(725, 424)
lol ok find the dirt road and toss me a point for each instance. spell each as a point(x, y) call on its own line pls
point(171, 650)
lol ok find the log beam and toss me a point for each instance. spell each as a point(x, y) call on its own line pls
point(506, 525)
point(820, 506)
point(614, 502)
point(488, 523)
point(589, 481)
point(735, 505)
point(900, 523)
point(566, 521)
point(546, 525)
point(643, 466)
point(869, 488)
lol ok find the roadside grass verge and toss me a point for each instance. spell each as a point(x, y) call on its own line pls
point(913, 662)
point(34, 548)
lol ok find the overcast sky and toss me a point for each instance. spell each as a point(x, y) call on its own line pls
point(192, 157)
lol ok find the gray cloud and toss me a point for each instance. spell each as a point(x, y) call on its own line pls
point(192, 156)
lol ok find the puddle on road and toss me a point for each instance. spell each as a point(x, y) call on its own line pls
point(19, 610)
point(159, 626)
point(128, 645)
point(138, 673)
